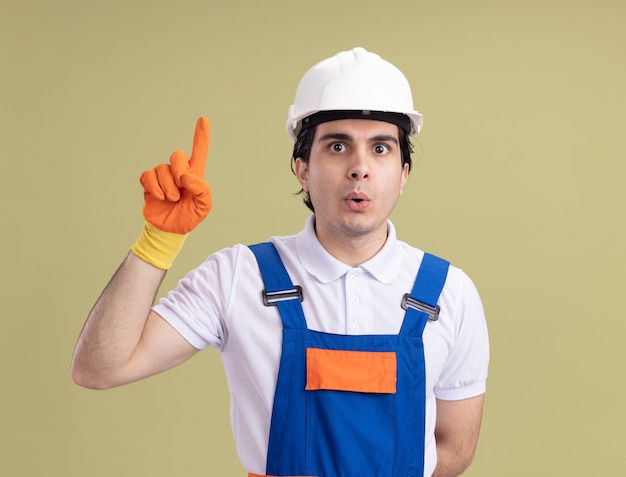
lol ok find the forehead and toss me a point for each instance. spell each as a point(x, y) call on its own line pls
point(358, 128)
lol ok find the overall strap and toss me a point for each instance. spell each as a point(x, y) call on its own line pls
point(279, 290)
point(421, 303)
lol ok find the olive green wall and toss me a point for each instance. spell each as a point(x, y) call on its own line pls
point(519, 179)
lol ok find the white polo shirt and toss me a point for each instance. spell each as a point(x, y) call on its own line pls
point(219, 304)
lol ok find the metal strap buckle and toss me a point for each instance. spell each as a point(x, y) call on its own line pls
point(271, 298)
point(408, 302)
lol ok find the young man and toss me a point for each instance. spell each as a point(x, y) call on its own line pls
point(347, 352)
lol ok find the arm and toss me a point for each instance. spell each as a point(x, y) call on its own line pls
point(123, 340)
point(456, 432)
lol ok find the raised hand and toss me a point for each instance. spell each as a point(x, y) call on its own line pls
point(177, 198)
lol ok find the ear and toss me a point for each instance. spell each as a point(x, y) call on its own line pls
point(301, 168)
point(404, 178)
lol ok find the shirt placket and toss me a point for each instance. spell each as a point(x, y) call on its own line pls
point(355, 301)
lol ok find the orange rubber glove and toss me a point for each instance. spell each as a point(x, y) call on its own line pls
point(177, 199)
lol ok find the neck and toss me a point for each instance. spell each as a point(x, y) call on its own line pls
point(352, 249)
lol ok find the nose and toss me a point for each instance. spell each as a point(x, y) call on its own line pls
point(359, 168)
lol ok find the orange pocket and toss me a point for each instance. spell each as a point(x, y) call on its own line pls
point(358, 371)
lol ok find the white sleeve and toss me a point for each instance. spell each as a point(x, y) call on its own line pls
point(465, 371)
point(196, 307)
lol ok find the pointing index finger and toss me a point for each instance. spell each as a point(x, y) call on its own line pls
point(200, 147)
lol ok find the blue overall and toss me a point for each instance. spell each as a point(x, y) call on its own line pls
point(336, 432)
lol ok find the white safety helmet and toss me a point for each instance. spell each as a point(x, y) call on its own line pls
point(356, 83)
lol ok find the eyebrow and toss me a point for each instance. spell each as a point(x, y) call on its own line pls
point(349, 138)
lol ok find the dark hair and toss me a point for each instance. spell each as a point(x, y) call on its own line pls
point(304, 143)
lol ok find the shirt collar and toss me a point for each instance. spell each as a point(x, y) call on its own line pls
point(384, 266)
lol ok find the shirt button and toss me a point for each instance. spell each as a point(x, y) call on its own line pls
point(355, 327)
point(355, 299)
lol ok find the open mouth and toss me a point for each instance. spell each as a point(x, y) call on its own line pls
point(357, 203)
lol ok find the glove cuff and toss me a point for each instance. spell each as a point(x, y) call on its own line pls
point(158, 247)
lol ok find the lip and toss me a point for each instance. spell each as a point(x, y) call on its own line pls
point(357, 201)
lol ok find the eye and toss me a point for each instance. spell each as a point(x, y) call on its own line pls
point(337, 147)
point(381, 149)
